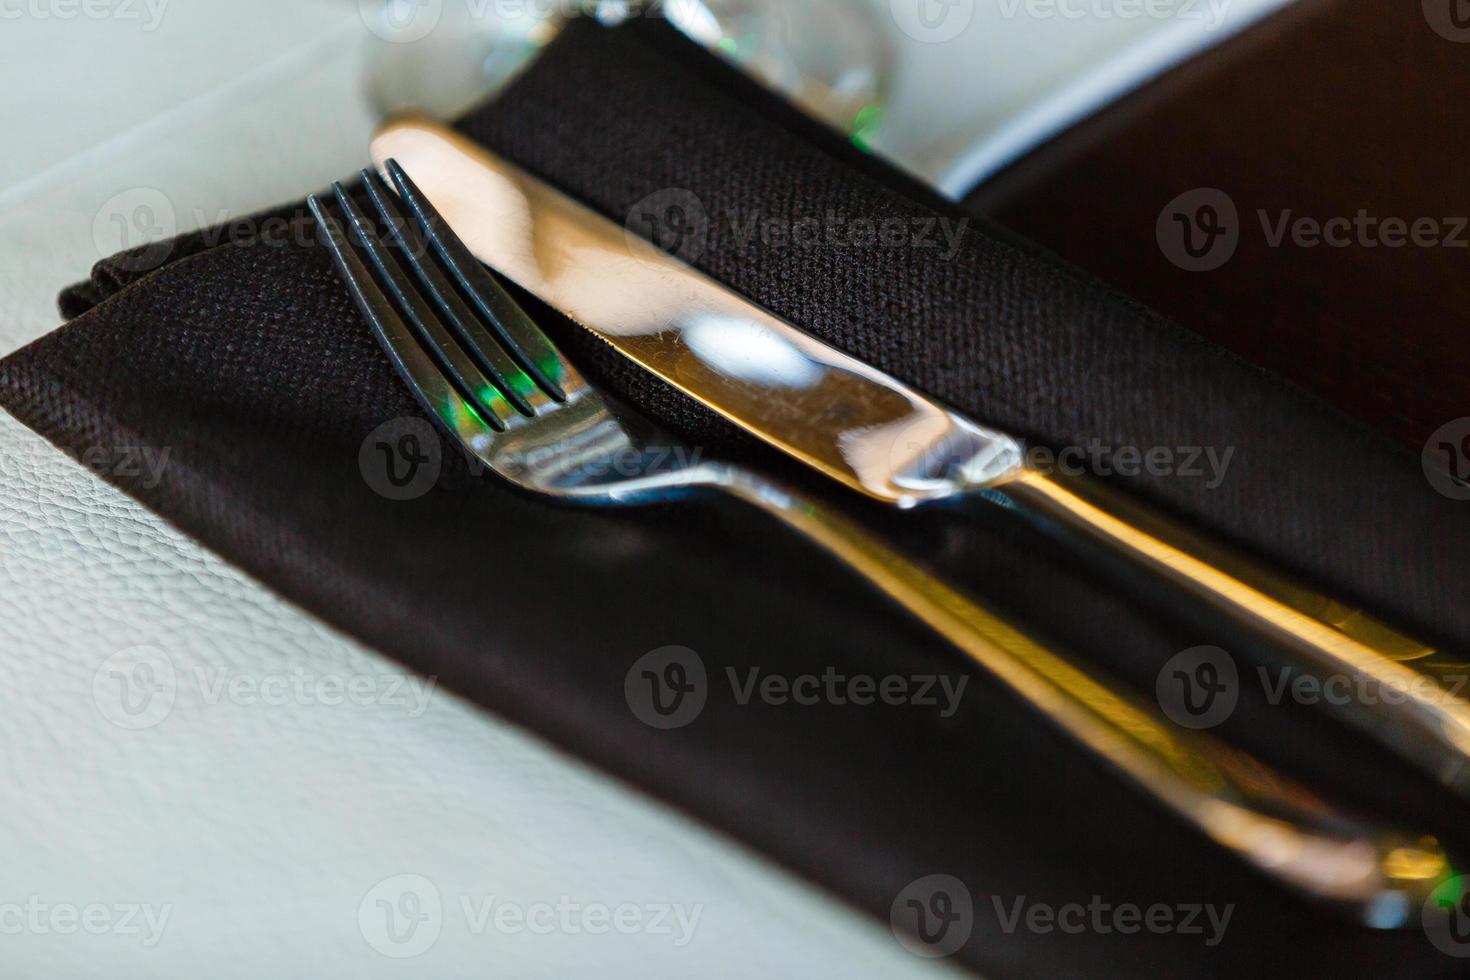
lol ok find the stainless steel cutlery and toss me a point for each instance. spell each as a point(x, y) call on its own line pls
point(502, 391)
point(887, 441)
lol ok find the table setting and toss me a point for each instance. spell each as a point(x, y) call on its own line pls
point(639, 396)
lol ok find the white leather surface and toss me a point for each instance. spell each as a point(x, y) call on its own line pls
point(256, 833)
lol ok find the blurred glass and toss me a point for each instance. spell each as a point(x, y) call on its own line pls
point(444, 56)
point(830, 57)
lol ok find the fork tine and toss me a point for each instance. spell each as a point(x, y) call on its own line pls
point(429, 386)
point(441, 347)
point(487, 351)
point(531, 348)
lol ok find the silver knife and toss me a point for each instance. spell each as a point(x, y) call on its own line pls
point(878, 436)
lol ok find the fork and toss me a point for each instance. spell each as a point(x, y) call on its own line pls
point(500, 389)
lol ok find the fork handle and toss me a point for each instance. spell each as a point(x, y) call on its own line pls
point(1231, 797)
point(1417, 711)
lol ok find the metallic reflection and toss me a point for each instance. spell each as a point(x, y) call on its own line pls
point(876, 435)
point(736, 348)
point(845, 418)
point(879, 436)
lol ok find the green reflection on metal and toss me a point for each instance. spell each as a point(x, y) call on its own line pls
point(494, 400)
point(865, 127)
point(459, 413)
point(521, 383)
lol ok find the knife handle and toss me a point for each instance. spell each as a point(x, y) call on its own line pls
point(1412, 704)
point(1380, 878)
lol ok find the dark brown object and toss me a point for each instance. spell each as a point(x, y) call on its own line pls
point(1331, 108)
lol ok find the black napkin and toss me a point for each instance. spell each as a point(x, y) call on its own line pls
point(248, 361)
